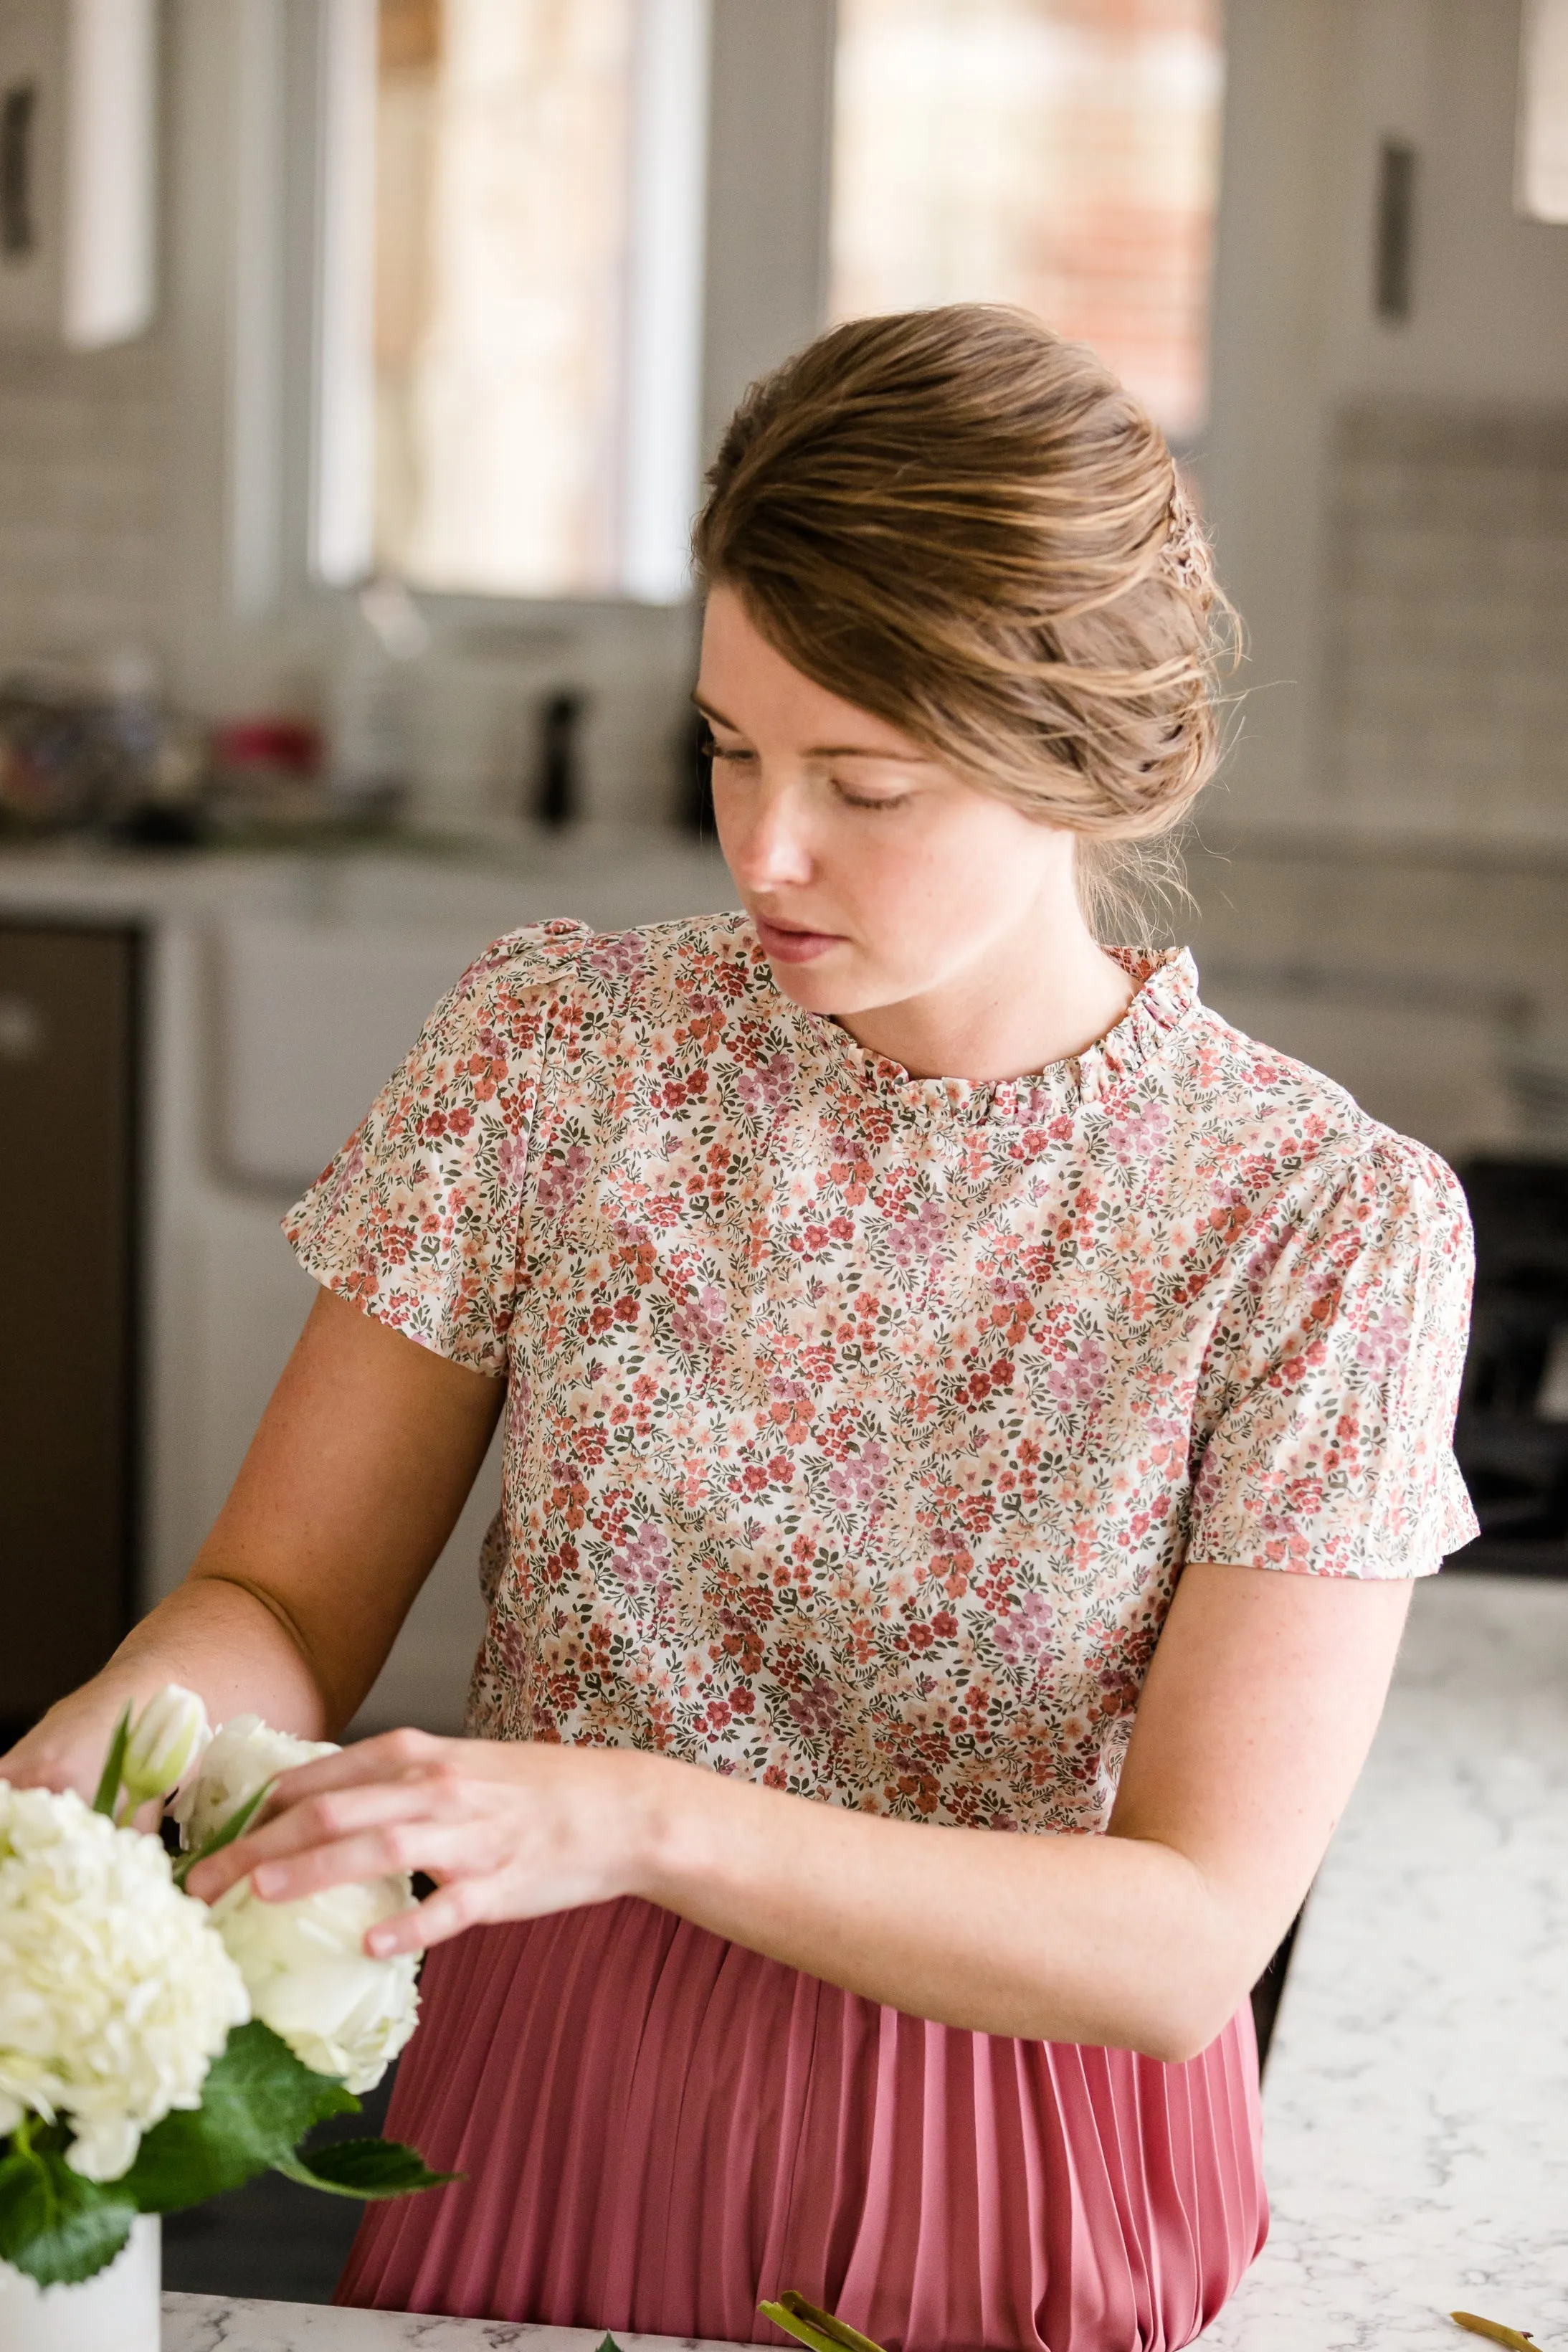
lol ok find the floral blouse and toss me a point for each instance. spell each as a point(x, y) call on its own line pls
point(858, 1426)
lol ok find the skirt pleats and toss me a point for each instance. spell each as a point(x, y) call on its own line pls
point(659, 2129)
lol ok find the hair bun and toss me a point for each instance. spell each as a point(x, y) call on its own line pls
point(961, 522)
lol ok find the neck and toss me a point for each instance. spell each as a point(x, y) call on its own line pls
point(1042, 996)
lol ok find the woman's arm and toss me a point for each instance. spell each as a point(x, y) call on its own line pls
point(1257, 1714)
point(350, 1488)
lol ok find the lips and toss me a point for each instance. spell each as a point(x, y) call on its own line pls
point(787, 944)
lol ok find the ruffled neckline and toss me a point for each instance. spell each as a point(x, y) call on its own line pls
point(1165, 1002)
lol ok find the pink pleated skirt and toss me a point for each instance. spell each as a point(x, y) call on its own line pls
point(658, 2129)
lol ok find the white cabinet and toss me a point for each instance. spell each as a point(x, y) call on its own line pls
point(78, 212)
point(313, 1017)
point(316, 1006)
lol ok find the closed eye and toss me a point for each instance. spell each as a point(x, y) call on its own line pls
point(858, 800)
point(735, 755)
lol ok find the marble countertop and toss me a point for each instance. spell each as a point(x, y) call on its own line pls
point(1416, 2095)
point(1417, 2099)
point(202, 2323)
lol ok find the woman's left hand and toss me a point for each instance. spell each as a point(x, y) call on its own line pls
point(507, 1831)
point(1257, 1710)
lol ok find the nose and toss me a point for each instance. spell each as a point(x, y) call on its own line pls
point(771, 848)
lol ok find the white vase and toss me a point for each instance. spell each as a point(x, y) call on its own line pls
point(118, 2307)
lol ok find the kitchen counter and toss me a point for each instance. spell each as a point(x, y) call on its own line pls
point(1417, 2099)
point(494, 878)
point(203, 2323)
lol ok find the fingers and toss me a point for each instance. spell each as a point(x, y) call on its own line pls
point(376, 1854)
point(437, 1920)
point(506, 1830)
point(328, 1823)
point(480, 1887)
point(393, 1759)
point(392, 1756)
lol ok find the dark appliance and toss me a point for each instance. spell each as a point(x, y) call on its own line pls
point(1512, 1433)
point(69, 1056)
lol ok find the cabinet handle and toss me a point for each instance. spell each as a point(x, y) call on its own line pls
point(18, 109)
point(22, 1030)
point(1395, 229)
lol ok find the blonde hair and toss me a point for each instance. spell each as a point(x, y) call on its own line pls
point(962, 523)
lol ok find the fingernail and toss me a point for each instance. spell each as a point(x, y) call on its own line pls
point(269, 1879)
point(381, 1940)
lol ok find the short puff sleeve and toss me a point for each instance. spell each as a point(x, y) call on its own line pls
point(416, 1220)
point(1333, 1379)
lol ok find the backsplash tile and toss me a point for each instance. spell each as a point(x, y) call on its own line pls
point(83, 548)
point(1446, 687)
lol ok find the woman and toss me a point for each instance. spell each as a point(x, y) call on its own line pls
point(955, 1384)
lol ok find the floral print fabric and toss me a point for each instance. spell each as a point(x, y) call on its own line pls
point(858, 1426)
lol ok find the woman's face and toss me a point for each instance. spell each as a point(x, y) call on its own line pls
point(874, 875)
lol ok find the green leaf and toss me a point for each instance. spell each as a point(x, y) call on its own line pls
point(817, 2329)
point(800, 2329)
point(607, 2344)
point(236, 1824)
point(113, 1772)
point(364, 2168)
point(54, 2225)
point(257, 2103)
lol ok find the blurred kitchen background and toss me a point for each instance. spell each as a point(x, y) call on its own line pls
point(357, 368)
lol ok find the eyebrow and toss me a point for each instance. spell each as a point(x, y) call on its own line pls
point(826, 751)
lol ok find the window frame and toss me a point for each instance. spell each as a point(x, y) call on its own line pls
point(766, 103)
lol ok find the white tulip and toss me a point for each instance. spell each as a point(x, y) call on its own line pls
point(241, 1758)
point(309, 1977)
point(165, 1740)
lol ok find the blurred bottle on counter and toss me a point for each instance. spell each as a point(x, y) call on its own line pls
point(556, 796)
point(159, 756)
point(372, 710)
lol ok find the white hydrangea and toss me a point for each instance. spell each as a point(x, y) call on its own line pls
point(305, 1965)
point(239, 1758)
point(311, 1979)
point(116, 1991)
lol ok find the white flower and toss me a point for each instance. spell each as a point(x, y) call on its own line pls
point(309, 1977)
point(304, 1964)
point(165, 1740)
point(116, 1993)
point(240, 1758)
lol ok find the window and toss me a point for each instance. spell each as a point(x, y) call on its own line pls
point(1541, 161)
point(514, 229)
point(1061, 154)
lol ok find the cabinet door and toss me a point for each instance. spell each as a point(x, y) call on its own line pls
point(67, 1250)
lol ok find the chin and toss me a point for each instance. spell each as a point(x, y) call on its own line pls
point(810, 988)
point(830, 998)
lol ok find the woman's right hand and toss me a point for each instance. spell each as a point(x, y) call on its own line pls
point(66, 1748)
